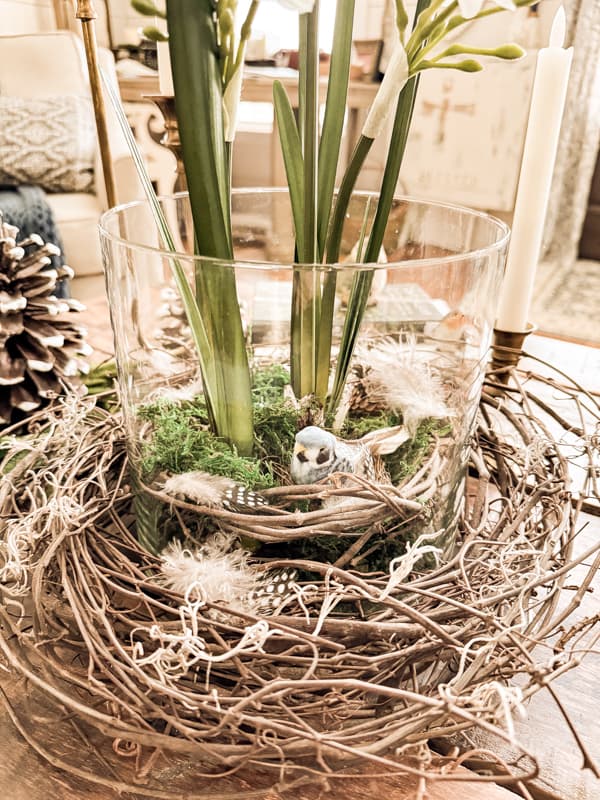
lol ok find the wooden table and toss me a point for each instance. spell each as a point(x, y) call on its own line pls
point(25, 776)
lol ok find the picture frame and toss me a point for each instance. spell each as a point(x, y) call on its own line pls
point(366, 57)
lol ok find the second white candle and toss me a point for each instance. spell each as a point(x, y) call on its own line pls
point(539, 155)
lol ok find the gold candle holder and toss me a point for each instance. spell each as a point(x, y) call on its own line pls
point(507, 349)
point(170, 138)
point(172, 141)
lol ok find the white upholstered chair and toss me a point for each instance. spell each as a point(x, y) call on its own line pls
point(50, 64)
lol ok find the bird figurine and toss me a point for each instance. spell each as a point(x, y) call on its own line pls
point(319, 453)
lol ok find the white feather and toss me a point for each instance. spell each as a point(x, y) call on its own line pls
point(181, 394)
point(405, 384)
point(385, 441)
point(200, 487)
point(213, 572)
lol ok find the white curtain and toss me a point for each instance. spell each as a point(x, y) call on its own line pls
point(579, 139)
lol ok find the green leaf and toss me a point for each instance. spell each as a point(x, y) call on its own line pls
point(308, 80)
point(306, 290)
point(361, 286)
point(199, 102)
point(192, 312)
point(292, 157)
point(335, 109)
point(357, 159)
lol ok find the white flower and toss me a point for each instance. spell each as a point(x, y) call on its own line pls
point(301, 6)
point(396, 75)
point(470, 8)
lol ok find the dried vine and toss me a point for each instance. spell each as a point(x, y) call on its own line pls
point(352, 668)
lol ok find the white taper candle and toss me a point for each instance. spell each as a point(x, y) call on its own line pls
point(539, 155)
point(165, 77)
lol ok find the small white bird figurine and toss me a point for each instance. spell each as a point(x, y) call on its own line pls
point(318, 453)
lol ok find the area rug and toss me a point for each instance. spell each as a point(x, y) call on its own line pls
point(566, 300)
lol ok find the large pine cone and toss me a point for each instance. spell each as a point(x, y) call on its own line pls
point(40, 349)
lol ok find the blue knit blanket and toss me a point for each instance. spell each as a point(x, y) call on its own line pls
point(26, 208)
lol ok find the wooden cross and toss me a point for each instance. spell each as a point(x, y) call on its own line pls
point(444, 107)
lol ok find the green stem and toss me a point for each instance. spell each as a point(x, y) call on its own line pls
point(334, 239)
point(335, 107)
point(309, 78)
point(361, 285)
point(329, 151)
point(193, 47)
point(305, 287)
point(417, 48)
point(245, 35)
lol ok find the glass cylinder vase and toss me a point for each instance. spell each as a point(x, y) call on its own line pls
point(318, 412)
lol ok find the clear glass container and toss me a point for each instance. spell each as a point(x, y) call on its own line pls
point(415, 373)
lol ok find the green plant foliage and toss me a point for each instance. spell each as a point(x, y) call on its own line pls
point(181, 441)
point(7, 444)
point(101, 382)
point(359, 425)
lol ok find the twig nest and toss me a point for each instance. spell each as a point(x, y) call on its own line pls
point(178, 653)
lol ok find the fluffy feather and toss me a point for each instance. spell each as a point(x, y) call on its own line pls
point(180, 394)
point(216, 573)
point(405, 384)
point(213, 491)
point(385, 441)
point(200, 487)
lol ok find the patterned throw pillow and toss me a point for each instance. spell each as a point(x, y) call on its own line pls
point(47, 141)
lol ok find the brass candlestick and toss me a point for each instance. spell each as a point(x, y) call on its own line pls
point(507, 349)
point(87, 15)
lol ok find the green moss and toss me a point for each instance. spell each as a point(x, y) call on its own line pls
point(180, 439)
point(275, 420)
point(181, 442)
point(268, 384)
point(356, 426)
point(409, 457)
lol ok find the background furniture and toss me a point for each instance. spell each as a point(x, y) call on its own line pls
point(589, 245)
point(50, 64)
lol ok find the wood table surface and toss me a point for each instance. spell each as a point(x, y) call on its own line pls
point(26, 776)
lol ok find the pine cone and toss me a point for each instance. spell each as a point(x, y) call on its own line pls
point(40, 348)
point(362, 398)
point(174, 331)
